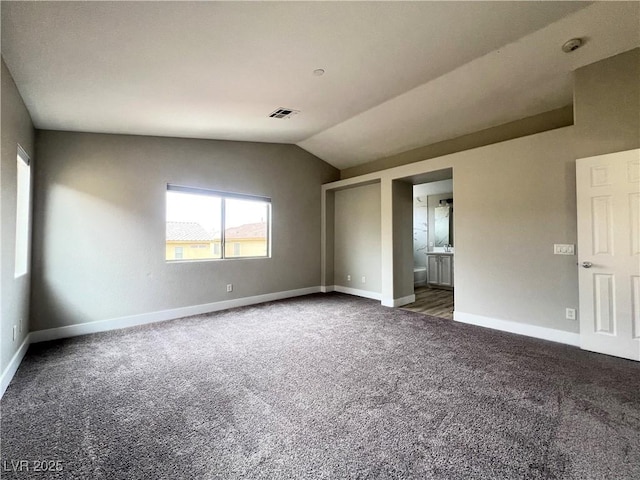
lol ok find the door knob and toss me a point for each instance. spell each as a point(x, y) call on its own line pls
point(587, 264)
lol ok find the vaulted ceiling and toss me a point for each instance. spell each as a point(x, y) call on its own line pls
point(397, 75)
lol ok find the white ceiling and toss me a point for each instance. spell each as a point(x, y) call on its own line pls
point(399, 75)
point(433, 188)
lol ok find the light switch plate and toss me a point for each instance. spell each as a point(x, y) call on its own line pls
point(564, 249)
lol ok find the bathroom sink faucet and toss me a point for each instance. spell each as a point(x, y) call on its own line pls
point(447, 248)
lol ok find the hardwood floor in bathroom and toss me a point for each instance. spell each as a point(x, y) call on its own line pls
point(432, 301)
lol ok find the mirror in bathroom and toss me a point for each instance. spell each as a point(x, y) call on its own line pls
point(443, 226)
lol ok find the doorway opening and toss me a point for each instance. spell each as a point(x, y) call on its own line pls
point(433, 245)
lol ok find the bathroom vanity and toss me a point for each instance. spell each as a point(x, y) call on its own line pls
point(440, 269)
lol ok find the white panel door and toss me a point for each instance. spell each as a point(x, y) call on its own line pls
point(608, 200)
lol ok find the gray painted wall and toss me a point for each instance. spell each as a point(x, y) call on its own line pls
point(17, 128)
point(327, 248)
point(513, 201)
point(357, 237)
point(402, 194)
point(99, 229)
point(607, 105)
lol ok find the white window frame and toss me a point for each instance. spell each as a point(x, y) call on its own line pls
point(223, 197)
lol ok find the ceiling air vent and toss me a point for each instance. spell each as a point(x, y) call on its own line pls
point(284, 113)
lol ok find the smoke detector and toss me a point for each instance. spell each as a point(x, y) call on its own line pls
point(284, 113)
point(572, 45)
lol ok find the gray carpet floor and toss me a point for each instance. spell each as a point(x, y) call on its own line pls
point(323, 386)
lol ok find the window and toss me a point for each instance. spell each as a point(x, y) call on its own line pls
point(23, 208)
point(231, 225)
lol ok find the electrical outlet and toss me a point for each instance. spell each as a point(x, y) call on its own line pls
point(229, 287)
point(563, 249)
point(15, 332)
point(348, 278)
point(364, 279)
point(570, 313)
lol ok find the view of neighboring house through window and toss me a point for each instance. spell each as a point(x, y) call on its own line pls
point(193, 219)
point(23, 207)
point(206, 224)
point(246, 227)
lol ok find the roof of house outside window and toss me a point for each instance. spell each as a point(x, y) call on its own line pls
point(188, 232)
point(249, 230)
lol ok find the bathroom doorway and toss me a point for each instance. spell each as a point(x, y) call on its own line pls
point(433, 248)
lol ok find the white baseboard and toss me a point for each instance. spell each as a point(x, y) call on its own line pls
point(327, 288)
point(12, 368)
point(544, 333)
point(357, 292)
point(398, 302)
point(161, 316)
